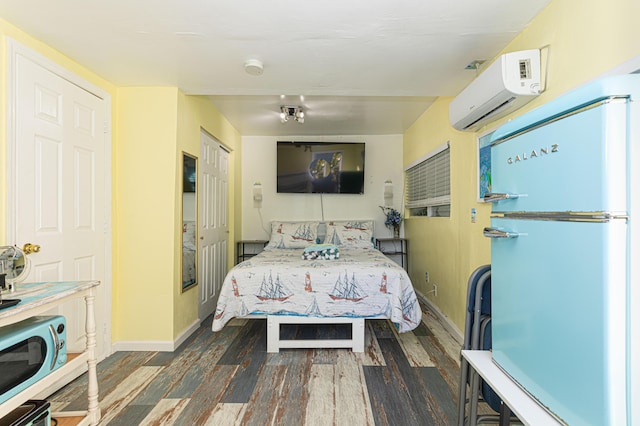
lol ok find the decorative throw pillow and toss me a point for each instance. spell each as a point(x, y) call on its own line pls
point(293, 234)
point(350, 233)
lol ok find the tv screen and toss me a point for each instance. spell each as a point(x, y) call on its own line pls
point(320, 167)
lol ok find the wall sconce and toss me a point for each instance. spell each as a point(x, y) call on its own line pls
point(257, 194)
point(295, 112)
point(388, 193)
point(257, 191)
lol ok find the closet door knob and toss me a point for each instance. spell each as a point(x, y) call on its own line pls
point(29, 248)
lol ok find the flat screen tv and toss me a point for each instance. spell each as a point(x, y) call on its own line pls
point(320, 167)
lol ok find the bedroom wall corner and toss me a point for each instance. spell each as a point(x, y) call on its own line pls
point(195, 113)
point(449, 248)
point(577, 55)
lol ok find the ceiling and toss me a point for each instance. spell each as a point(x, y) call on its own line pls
point(361, 66)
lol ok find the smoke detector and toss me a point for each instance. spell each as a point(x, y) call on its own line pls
point(253, 67)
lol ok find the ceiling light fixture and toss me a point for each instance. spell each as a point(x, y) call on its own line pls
point(295, 112)
point(254, 67)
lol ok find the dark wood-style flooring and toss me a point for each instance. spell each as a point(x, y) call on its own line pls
point(227, 378)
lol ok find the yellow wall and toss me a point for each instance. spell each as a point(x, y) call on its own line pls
point(194, 113)
point(449, 248)
point(586, 38)
point(155, 125)
point(151, 126)
point(145, 197)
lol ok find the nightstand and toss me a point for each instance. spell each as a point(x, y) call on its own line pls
point(249, 248)
point(395, 249)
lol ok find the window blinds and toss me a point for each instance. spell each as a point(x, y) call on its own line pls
point(428, 182)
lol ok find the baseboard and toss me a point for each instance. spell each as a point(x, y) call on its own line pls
point(186, 333)
point(155, 345)
point(444, 320)
point(143, 346)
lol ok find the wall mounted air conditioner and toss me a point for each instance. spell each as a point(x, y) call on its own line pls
point(506, 85)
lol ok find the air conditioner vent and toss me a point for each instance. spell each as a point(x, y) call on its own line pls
point(506, 85)
point(498, 108)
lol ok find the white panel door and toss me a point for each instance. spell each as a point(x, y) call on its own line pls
point(60, 187)
point(213, 221)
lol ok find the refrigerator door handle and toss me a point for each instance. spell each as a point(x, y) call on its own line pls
point(497, 233)
point(494, 197)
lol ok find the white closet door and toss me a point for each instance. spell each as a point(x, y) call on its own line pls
point(60, 187)
point(213, 221)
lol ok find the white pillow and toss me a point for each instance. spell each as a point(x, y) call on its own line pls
point(350, 233)
point(293, 234)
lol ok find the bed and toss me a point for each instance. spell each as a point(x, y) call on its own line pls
point(347, 281)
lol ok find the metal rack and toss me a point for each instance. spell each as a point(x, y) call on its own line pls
point(249, 248)
point(395, 249)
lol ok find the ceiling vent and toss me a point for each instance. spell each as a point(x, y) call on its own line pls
point(506, 85)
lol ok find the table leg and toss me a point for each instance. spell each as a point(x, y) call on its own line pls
point(90, 327)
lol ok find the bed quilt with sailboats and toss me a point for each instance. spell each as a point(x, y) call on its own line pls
point(363, 282)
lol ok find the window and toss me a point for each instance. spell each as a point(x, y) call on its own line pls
point(428, 184)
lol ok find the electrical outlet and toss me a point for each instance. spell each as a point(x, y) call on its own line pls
point(426, 276)
point(435, 290)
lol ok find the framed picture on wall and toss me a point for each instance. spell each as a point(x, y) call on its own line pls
point(484, 163)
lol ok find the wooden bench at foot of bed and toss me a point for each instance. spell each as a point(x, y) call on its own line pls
point(274, 343)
